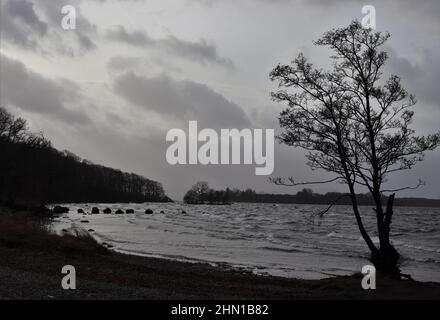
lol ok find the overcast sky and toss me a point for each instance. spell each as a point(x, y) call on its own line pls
point(111, 89)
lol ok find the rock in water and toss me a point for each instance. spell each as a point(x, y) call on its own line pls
point(107, 211)
point(80, 211)
point(129, 211)
point(95, 210)
point(119, 211)
point(148, 211)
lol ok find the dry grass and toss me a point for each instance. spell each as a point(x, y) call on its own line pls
point(26, 233)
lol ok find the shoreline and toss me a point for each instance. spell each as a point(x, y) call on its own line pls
point(31, 261)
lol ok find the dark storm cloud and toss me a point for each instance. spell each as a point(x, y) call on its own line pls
point(200, 51)
point(180, 99)
point(33, 92)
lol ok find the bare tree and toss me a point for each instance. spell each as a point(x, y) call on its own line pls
point(198, 193)
point(12, 128)
point(353, 124)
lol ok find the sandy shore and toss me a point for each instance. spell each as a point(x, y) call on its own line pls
point(31, 262)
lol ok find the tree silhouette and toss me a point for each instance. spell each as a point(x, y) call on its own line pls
point(353, 124)
point(201, 193)
point(198, 194)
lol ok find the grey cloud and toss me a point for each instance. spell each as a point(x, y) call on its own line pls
point(84, 34)
point(424, 12)
point(21, 24)
point(119, 63)
point(18, 21)
point(276, 2)
point(85, 42)
point(315, 2)
point(135, 38)
point(30, 91)
point(421, 78)
point(154, 64)
point(111, 139)
point(24, 10)
point(32, 24)
point(181, 100)
point(200, 51)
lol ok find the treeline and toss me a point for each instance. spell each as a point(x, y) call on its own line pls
point(32, 170)
point(307, 196)
point(201, 193)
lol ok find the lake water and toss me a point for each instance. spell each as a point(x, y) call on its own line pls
point(286, 240)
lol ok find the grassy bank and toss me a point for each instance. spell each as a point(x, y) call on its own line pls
point(31, 259)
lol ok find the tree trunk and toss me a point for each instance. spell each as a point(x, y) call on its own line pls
point(386, 259)
point(360, 224)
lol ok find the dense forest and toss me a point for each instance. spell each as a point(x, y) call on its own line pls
point(201, 193)
point(31, 170)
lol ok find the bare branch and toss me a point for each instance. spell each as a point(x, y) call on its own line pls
point(281, 182)
point(419, 184)
point(321, 213)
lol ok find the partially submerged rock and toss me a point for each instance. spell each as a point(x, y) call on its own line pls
point(80, 211)
point(148, 211)
point(119, 211)
point(95, 210)
point(129, 211)
point(107, 211)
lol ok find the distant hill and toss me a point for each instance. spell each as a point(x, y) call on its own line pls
point(31, 170)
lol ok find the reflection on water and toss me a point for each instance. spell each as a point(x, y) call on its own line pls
point(285, 239)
